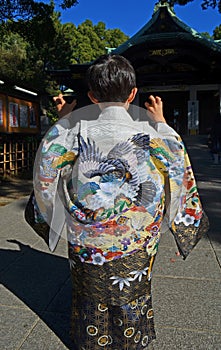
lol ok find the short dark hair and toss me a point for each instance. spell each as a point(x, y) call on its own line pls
point(111, 78)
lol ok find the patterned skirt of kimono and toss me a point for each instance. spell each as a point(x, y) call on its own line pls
point(111, 305)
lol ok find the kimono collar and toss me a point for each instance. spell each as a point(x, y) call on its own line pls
point(117, 113)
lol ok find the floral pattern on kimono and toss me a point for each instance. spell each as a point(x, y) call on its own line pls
point(114, 202)
point(116, 196)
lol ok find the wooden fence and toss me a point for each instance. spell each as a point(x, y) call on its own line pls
point(17, 157)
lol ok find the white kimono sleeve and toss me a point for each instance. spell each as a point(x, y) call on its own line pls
point(58, 149)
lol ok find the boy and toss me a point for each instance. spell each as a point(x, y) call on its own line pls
point(117, 183)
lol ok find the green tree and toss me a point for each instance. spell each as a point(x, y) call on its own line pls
point(13, 56)
point(32, 47)
point(206, 35)
point(27, 9)
point(89, 41)
point(217, 33)
point(47, 47)
point(205, 4)
point(115, 37)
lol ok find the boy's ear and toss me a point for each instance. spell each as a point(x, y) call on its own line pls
point(92, 98)
point(132, 95)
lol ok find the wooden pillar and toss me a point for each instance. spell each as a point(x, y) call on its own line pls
point(28, 155)
point(11, 157)
point(16, 158)
point(22, 156)
point(193, 112)
point(5, 159)
point(220, 100)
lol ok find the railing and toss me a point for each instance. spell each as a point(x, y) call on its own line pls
point(17, 157)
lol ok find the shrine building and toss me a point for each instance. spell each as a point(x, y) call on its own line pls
point(173, 61)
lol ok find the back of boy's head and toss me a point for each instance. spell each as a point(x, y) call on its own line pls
point(111, 78)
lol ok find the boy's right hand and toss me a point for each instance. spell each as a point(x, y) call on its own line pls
point(63, 108)
point(155, 109)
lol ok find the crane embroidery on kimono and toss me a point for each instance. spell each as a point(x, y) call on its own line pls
point(121, 173)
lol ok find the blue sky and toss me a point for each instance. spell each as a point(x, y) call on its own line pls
point(131, 15)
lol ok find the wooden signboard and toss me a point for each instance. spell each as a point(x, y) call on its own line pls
point(18, 116)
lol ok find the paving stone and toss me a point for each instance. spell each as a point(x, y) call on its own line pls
point(61, 249)
point(187, 303)
point(50, 334)
point(215, 238)
point(15, 325)
point(198, 264)
point(167, 240)
point(218, 256)
point(10, 253)
point(182, 339)
point(36, 277)
point(9, 299)
point(62, 301)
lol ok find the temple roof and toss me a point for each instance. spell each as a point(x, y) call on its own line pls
point(164, 24)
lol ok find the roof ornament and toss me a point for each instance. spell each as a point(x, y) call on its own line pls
point(168, 2)
point(164, 3)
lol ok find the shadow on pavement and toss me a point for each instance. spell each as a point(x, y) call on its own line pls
point(212, 206)
point(41, 281)
point(15, 186)
point(208, 177)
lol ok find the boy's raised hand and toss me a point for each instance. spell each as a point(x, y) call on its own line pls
point(154, 108)
point(63, 108)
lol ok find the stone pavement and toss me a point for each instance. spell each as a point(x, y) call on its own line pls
point(36, 289)
point(14, 188)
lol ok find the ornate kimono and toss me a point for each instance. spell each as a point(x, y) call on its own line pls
point(117, 184)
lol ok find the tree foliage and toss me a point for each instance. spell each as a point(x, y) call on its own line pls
point(89, 41)
point(211, 3)
point(206, 35)
point(205, 4)
point(13, 49)
point(27, 9)
point(30, 48)
point(217, 33)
